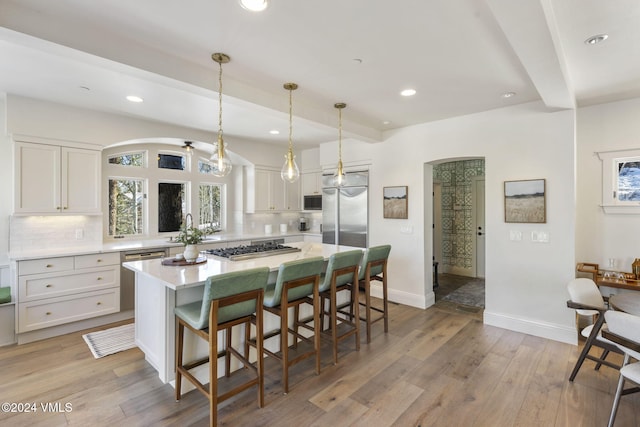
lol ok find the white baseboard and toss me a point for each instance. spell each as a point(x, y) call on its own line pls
point(55, 331)
point(406, 298)
point(536, 328)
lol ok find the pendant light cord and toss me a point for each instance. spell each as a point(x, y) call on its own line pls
point(290, 119)
point(340, 134)
point(220, 101)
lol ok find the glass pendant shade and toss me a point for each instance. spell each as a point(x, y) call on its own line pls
point(338, 177)
point(290, 171)
point(220, 159)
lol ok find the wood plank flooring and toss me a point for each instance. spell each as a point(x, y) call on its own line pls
point(434, 368)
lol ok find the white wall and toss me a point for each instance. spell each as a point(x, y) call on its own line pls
point(600, 236)
point(525, 281)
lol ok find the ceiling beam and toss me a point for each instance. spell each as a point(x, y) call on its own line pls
point(530, 27)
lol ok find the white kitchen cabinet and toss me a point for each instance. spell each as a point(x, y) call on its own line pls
point(55, 291)
point(311, 183)
point(265, 191)
point(293, 200)
point(52, 179)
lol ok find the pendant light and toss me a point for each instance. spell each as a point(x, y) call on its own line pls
point(220, 158)
point(338, 178)
point(290, 171)
point(188, 147)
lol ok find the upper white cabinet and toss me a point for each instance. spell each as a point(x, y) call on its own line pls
point(311, 183)
point(265, 191)
point(54, 179)
point(293, 200)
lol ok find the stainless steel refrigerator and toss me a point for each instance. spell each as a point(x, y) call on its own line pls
point(345, 218)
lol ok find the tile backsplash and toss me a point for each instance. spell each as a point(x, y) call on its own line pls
point(37, 232)
point(255, 223)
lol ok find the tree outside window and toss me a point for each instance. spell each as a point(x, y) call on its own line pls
point(210, 206)
point(125, 206)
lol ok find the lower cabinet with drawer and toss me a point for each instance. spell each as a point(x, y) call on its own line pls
point(56, 291)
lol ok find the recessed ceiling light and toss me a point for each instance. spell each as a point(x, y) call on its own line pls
point(596, 39)
point(386, 122)
point(408, 92)
point(254, 5)
point(274, 132)
point(508, 94)
point(134, 98)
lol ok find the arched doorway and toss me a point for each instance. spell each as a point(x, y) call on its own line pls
point(458, 230)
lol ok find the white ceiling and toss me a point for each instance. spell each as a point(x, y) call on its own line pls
point(460, 56)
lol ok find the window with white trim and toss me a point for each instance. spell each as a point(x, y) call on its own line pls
point(126, 202)
point(620, 181)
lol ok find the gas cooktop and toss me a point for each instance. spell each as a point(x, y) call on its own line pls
point(238, 253)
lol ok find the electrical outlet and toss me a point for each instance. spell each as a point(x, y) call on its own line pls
point(79, 234)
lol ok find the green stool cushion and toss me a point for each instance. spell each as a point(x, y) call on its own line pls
point(5, 295)
point(196, 314)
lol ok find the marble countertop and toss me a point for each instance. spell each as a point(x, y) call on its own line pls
point(178, 277)
point(132, 245)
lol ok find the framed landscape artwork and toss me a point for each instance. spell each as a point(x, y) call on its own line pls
point(525, 201)
point(395, 202)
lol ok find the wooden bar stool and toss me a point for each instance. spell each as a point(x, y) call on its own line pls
point(295, 282)
point(374, 267)
point(229, 299)
point(341, 275)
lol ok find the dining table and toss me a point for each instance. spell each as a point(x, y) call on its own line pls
point(629, 302)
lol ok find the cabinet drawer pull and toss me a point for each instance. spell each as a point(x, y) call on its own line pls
point(48, 285)
point(99, 303)
point(48, 313)
point(49, 265)
point(99, 278)
point(99, 260)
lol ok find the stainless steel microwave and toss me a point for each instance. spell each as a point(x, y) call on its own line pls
point(313, 202)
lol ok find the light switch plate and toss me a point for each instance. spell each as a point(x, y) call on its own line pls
point(540, 236)
point(406, 229)
point(515, 235)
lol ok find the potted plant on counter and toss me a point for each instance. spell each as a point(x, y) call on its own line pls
point(190, 236)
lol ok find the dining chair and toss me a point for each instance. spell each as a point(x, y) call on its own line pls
point(341, 275)
point(374, 267)
point(624, 332)
point(296, 284)
point(587, 301)
point(228, 300)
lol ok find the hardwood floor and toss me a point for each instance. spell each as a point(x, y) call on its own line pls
point(433, 368)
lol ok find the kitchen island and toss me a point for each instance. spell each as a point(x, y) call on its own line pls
point(160, 288)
